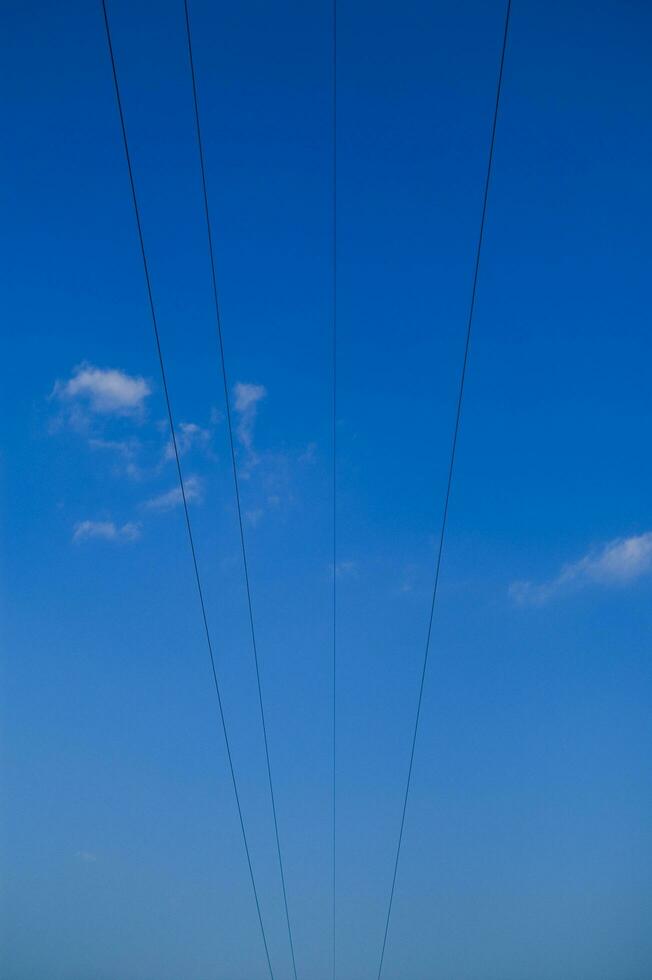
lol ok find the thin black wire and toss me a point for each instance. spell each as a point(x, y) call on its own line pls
point(334, 488)
point(450, 473)
point(236, 483)
point(181, 481)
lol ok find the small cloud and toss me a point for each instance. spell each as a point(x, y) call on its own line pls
point(174, 498)
point(189, 436)
point(616, 564)
point(86, 857)
point(246, 398)
point(410, 576)
point(125, 454)
point(121, 447)
point(254, 516)
point(104, 391)
point(105, 531)
point(309, 453)
point(346, 569)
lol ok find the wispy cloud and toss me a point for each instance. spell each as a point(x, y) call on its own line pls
point(189, 436)
point(123, 447)
point(309, 454)
point(125, 455)
point(104, 391)
point(245, 404)
point(105, 531)
point(173, 498)
point(268, 483)
point(409, 580)
point(347, 569)
point(617, 563)
point(86, 857)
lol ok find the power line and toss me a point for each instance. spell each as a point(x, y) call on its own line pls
point(200, 592)
point(218, 318)
point(451, 465)
point(334, 489)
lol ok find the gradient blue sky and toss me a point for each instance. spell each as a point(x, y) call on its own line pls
point(528, 851)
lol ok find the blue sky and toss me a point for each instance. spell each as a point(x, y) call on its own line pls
point(527, 848)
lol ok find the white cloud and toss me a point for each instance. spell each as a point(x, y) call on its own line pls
point(309, 454)
point(189, 436)
point(173, 498)
point(617, 563)
point(120, 446)
point(411, 575)
point(347, 569)
point(105, 531)
point(86, 857)
point(124, 453)
point(254, 516)
point(245, 404)
point(105, 391)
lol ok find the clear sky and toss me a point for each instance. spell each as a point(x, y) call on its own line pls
point(528, 849)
